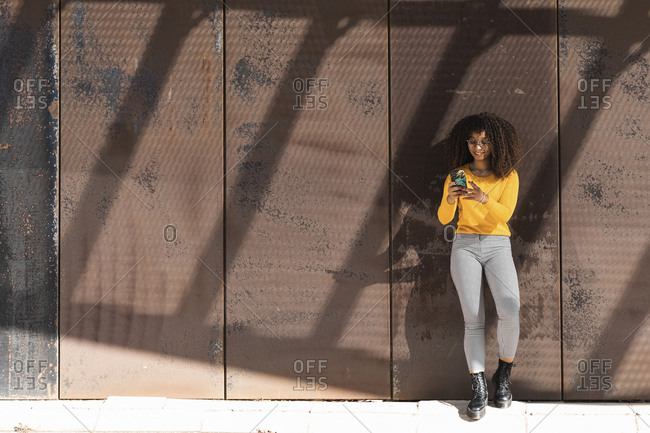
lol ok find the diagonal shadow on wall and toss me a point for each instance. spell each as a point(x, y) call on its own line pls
point(139, 104)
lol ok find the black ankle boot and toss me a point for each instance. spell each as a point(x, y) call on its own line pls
point(501, 382)
point(476, 407)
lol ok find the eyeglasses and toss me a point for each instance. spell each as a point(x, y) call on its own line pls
point(484, 144)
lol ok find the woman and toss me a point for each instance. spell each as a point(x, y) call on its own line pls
point(487, 148)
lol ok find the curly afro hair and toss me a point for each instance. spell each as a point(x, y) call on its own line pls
point(505, 145)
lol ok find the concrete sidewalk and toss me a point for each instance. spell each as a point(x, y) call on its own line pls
point(141, 414)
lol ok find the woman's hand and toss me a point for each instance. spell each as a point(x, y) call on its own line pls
point(454, 191)
point(476, 194)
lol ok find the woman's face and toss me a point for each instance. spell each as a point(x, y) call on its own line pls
point(479, 146)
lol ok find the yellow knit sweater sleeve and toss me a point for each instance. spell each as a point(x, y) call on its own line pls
point(502, 209)
point(446, 211)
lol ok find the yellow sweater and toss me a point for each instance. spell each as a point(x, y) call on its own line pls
point(486, 219)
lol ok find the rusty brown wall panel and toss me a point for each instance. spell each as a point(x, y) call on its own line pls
point(450, 59)
point(605, 136)
point(141, 231)
point(307, 305)
point(28, 197)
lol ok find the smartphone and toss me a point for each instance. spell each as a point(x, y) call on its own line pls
point(458, 176)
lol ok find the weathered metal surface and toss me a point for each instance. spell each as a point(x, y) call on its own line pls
point(28, 196)
point(450, 59)
point(307, 219)
point(605, 138)
point(307, 304)
point(141, 253)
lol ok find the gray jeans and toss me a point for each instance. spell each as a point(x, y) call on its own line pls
point(471, 254)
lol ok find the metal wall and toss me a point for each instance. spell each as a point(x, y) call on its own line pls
point(141, 200)
point(28, 195)
point(307, 272)
point(249, 193)
point(605, 139)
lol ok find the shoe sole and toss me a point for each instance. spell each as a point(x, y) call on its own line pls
point(475, 414)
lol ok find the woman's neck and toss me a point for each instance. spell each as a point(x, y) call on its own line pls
point(480, 165)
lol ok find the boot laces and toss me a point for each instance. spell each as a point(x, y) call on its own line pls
point(503, 380)
point(478, 385)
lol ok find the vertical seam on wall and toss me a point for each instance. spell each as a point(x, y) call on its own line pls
point(223, 193)
point(390, 207)
point(559, 191)
point(58, 204)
